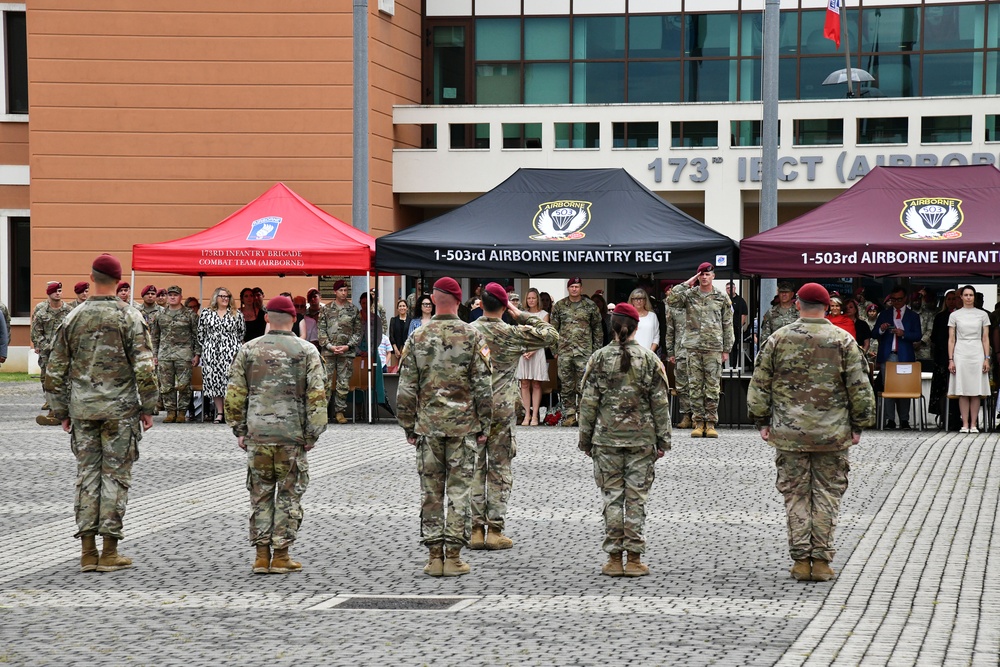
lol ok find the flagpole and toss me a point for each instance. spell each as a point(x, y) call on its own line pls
point(847, 47)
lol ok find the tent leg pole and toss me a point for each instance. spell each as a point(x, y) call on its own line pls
point(371, 342)
point(131, 281)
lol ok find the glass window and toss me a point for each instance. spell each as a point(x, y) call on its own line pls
point(895, 76)
point(945, 129)
point(694, 134)
point(522, 135)
point(890, 29)
point(752, 30)
point(711, 35)
point(952, 74)
point(883, 130)
point(469, 135)
point(498, 39)
point(546, 83)
point(578, 135)
point(635, 135)
point(751, 86)
point(449, 66)
point(992, 128)
point(954, 27)
point(992, 73)
point(599, 37)
point(748, 133)
point(818, 132)
point(598, 83)
point(710, 81)
point(546, 39)
point(16, 42)
point(813, 41)
point(993, 27)
point(20, 267)
point(654, 36)
point(812, 74)
point(498, 84)
point(654, 81)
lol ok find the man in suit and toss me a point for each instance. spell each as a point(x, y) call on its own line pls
point(897, 329)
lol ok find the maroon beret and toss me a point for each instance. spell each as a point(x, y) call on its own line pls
point(814, 293)
point(497, 292)
point(161, 292)
point(340, 283)
point(122, 285)
point(81, 287)
point(449, 286)
point(147, 289)
point(573, 281)
point(312, 291)
point(704, 267)
point(108, 265)
point(281, 304)
point(627, 310)
point(52, 287)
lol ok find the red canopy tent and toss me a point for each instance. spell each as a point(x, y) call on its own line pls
point(279, 233)
point(896, 221)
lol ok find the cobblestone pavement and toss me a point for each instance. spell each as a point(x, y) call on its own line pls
point(914, 540)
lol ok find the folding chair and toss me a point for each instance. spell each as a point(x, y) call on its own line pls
point(358, 385)
point(906, 385)
point(197, 385)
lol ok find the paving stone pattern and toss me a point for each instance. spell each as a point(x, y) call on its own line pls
point(915, 536)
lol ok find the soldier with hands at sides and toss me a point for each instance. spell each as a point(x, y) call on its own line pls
point(581, 332)
point(339, 330)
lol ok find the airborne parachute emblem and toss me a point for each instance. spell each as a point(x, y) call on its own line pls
point(932, 218)
point(264, 229)
point(561, 220)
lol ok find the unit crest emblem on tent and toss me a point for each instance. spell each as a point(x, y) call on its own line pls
point(561, 220)
point(264, 229)
point(932, 218)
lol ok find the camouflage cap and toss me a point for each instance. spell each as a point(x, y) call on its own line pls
point(785, 286)
point(174, 289)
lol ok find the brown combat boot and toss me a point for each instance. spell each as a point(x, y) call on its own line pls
point(45, 405)
point(569, 421)
point(262, 564)
point(341, 419)
point(686, 422)
point(821, 570)
point(435, 563)
point(171, 417)
point(281, 563)
point(88, 553)
point(613, 568)
point(180, 418)
point(47, 420)
point(110, 559)
point(496, 540)
point(478, 539)
point(634, 567)
point(800, 571)
point(454, 566)
point(710, 431)
point(699, 430)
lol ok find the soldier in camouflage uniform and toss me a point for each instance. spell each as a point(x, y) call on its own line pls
point(102, 388)
point(45, 319)
point(4, 335)
point(581, 332)
point(82, 291)
point(148, 307)
point(339, 327)
point(708, 337)
point(624, 427)
point(922, 302)
point(677, 355)
point(494, 477)
point(176, 349)
point(445, 404)
point(276, 405)
point(810, 398)
point(781, 314)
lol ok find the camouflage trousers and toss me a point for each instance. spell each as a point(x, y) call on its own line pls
point(624, 475)
point(174, 378)
point(105, 451)
point(277, 476)
point(704, 374)
point(493, 478)
point(338, 380)
point(681, 384)
point(813, 484)
point(43, 359)
point(571, 371)
point(446, 466)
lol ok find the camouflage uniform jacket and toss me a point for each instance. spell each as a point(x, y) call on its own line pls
point(507, 343)
point(149, 312)
point(277, 391)
point(5, 313)
point(629, 409)
point(76, 302)
point(811, 387)
point(926, 328)
point(676, 321)
point(445, 387)
point(101, 366)
point(339, 325)
point(175, 335)
point(581, 330)
point(708, 321)
point(775, 318)
point(44, 322)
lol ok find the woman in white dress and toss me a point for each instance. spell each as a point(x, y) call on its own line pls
point(648, 333)
point(969, 357)
point(533, 367)
point(221, 328)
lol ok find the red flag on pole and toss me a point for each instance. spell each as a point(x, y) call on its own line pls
point(831, 27)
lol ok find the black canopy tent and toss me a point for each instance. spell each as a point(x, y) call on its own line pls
point(559, 222)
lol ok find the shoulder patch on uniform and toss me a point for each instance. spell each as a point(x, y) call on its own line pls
point(485, 351)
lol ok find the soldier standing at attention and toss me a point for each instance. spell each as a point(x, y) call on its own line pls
point(45, 319)
point(677, 355)
point(124, 291)
point(810, 398)
point(176, 349)
point(494, 478)
point(82, 291)
point(580, 333)
point(5, 340)
point(276, 406)
point(103, 390)
point(444, 401)
point(339, 330)
point(149, 307)
point(624, 427)
point(781, 314)
point(708, 337)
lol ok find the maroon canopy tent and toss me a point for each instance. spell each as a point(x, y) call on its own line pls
point(896, 221)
